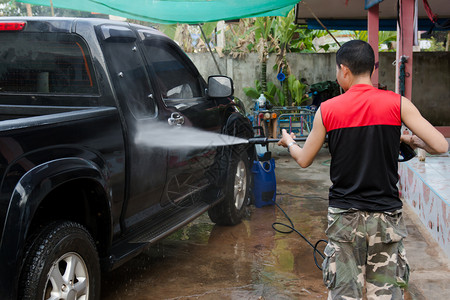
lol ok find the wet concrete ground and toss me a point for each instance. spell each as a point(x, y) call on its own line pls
point(252, 261)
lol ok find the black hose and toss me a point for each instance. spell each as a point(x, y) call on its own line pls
point(292, 229)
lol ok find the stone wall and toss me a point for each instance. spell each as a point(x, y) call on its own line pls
point(431, 76)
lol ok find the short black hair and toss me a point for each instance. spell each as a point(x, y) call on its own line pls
point(356, 55)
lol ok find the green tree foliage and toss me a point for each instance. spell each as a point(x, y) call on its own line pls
point(168, 29)
point(281, 35)
point(240, 38)
point(14, 8)
point(263, 35)
point(284, 31)
point(435, 45)
point(297, 90)
point(303, 40)
point(384, 38)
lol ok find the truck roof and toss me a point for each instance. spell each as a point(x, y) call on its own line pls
point(67, 24)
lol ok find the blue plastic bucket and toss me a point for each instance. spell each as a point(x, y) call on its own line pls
point(265, 184)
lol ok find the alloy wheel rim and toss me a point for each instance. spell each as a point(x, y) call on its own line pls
point(240, 185)
point(67, 279)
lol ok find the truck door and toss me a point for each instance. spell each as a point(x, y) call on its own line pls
point(145, 166)
point(182, 90)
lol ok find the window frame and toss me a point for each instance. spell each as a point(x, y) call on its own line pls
point(87, 59)
point(124, 37)
point(147, 38)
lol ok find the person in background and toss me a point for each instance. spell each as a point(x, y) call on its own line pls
point(365, 225)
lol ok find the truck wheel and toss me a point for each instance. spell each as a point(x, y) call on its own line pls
point(233, 208)
point(61, 263)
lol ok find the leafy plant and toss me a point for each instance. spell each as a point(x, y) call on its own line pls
point(281, 97)
point(209, 28)
point(270, 93)
point(277, 34)
point(297, 90)
point(255, 92)
point(303, 40)
point(240, 38)
point(435, 45)
point(168, 29)
point(276, 96)
point(284, 29)
point(290, 37)
point(384, 37)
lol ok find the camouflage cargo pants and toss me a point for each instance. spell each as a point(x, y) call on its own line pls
point(365, 251)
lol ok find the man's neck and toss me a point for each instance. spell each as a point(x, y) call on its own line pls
point(363, 79)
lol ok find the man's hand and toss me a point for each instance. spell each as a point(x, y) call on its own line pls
point(415, 142)
point(286, 138)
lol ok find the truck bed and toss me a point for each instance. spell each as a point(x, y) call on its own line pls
point(11, 112)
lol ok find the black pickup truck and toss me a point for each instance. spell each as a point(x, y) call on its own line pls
point(88, 176)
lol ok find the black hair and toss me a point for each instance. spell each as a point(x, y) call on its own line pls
point(356, 55)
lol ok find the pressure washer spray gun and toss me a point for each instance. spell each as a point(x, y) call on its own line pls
point(406, 152)
point(265, 140)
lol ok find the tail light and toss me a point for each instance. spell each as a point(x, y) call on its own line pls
point(12, 26)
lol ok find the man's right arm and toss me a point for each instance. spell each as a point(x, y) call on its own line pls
point(434, 141)
point(305, 156)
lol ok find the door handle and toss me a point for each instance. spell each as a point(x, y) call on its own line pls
point(176, 119)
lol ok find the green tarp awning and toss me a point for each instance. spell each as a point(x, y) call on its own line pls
point(177, 11)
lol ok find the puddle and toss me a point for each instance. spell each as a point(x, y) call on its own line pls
point(204, 261)
point(247, 261)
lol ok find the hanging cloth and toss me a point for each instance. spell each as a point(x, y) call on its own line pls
point(416, 23)
point(434, 18)
point(430, 14)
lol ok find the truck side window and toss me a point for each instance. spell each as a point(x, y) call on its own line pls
point(175, 78)
point(128, 72)
point(45, 63)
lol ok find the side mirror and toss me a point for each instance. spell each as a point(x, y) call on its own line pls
point(220, 86)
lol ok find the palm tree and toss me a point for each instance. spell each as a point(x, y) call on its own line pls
point(263, 28)
point(284, 29)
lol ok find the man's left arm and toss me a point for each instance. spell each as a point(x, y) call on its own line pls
point(305, 156)
point(425, 135)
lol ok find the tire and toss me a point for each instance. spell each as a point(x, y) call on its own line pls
point(61, 263)
point(233, 208)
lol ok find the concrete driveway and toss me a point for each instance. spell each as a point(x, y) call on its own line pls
point(252, 261)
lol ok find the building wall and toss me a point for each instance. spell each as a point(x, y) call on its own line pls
point(431, 76)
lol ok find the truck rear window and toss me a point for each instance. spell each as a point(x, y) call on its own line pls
point(45, 63)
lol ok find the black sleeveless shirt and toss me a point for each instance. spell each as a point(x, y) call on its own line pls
point(363, 127)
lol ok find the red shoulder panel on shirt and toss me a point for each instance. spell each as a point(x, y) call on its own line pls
point(361, 105)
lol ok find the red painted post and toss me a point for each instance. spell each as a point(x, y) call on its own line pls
point(372, 32)
point(405, 38)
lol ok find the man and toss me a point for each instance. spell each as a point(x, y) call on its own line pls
point(365, 225)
